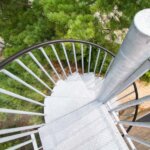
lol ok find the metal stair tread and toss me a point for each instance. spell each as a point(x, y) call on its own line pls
point(84, 129)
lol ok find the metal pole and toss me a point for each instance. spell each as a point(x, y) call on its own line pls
point(134, 51)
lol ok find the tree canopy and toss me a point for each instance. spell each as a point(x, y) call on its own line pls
point(24, 23)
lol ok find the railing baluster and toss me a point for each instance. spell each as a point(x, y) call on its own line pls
point(19, 145)
point(121, 127)
point(12, 111)
point(65, 52)
point(55, 52)
point(32, 73)
point(75, 57)
point(98, 54)
point(42, 68)
point(21, 81)
point(89, 63)
point(40, 147)
point(49, 61)
point(136, 124)
point(82, 58)
point(20, 97)
point(139, 140)
point(109, 67)
point(131, 103)
point(17, 136)
point(35, 146)
point(128, 115)
point(103, 63)
point(125, 95)
point(12, 130)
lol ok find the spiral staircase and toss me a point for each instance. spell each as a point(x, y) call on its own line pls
point(73, 108)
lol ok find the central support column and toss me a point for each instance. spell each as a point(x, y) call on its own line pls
point(134, 51)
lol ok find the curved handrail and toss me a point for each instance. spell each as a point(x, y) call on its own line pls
point(13, 57)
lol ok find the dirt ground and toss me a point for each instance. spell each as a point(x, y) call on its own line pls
point(143, 133)
point(143, 90)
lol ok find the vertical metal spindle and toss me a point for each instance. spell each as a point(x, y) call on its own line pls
point(75, 57)
point(55, 52)
point(103, 63)
point(3, 91)
point(139, 140)
point(21, 81)
point(109, 67)
point(49, 61)
point(98, 54)
point(42, 68)
point(34, 142)
point(32, 73)
point(65, 52)
point(89, 63)
point(82, 58)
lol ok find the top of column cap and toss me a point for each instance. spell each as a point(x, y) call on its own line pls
point(142, 21)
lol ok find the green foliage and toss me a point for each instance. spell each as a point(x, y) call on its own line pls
point(24, 24)
point(146, 77)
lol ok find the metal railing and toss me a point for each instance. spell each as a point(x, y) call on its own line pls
point(54, 60)
point(131, 123)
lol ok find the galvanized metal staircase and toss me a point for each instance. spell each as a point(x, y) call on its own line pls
point(81, 106)
point(76, 120)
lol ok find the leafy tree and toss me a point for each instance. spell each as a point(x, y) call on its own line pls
point(24, 23)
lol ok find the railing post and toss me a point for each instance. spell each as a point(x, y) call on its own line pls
point(35, 146)
point(134, 51)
